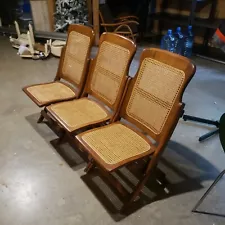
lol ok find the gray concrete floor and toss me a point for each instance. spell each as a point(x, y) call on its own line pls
point(40, 184)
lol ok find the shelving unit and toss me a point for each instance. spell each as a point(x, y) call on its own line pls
point(209, 24)
point(184, 20)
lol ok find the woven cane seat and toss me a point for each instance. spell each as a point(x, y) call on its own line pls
point(155, 91)
point(115, 145)
point(109, 71)
point(45, 94)
point(78, 113)
point(75, 57)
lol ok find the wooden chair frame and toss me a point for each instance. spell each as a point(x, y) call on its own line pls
point(153, 156)
point(120, 25)
point(87, 91)
point(76, 88)
point(34, 50)
point(21, 38)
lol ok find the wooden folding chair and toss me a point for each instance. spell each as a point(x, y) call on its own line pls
point(153, 104)
point(73, 68)
point(106, 81)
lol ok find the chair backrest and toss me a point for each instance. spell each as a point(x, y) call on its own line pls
point(109, 69)
point(222, 131)
point(74, 59)
point(153, 101)
point(105, 14)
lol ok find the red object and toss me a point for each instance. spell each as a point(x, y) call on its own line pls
point(220, 35)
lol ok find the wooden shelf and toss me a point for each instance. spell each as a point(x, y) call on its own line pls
point(184, 20)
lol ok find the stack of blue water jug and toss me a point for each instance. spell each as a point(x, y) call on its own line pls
point(178, 42)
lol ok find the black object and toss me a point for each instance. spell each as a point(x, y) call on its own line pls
point(205, 121)
point(7, 9)
point(222, 140)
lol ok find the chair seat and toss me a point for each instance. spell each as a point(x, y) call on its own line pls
point(114, 145)
point(45, 94)
point(78, 113)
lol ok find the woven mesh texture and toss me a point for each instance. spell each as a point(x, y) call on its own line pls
point(115, 143)
point(109, 71)
point(78, 113)
point(46, 93)
point(75, 56)
point(154, 94)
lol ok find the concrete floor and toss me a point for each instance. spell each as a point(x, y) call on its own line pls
point(40, 184)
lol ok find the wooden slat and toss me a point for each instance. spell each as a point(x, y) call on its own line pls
point(40, 15)
point(95, 5)
point(51, 11)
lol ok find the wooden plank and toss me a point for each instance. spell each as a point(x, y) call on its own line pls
point(51, 11)
point(95, 5)
point(40, 15)
point(90, 14)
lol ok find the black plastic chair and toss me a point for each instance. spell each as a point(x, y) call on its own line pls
point(222, 140)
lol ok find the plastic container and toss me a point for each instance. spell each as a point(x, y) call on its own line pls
point(168, 41)
point(188, 42)
point(179, 41)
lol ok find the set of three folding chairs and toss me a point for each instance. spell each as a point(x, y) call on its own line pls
point(116, 119)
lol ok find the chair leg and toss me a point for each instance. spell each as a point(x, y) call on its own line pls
point(140, 185)
point(89, 166)
point(61, 138)
point(138, 188)
point(43, 115)
point(41, 118)
point(207, 192)
point(134, 195)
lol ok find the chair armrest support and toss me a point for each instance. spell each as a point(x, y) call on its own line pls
point(120, 23)
point(127, 18)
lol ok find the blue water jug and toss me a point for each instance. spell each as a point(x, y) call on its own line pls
point(188, 42)
point(179, 41)
point(168, 41)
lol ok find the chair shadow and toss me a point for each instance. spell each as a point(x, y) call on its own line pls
point(74, 158)
point(184, 169)
point(46, 134)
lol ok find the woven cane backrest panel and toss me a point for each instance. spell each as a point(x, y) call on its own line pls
point(75, 57)
point(157, 87)
point(109, 71)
